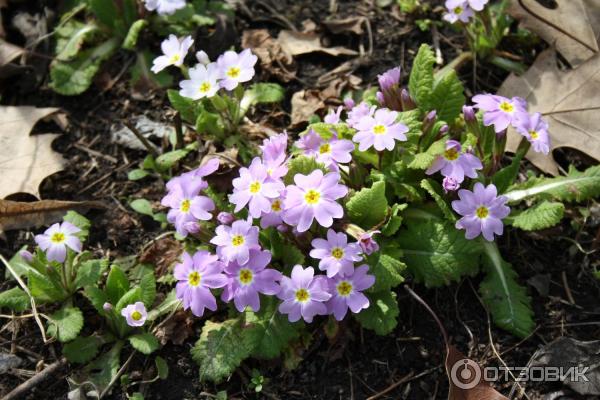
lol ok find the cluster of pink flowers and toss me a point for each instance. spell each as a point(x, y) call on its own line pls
point(462, 10)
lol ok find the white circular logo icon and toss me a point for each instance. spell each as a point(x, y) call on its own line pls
point(465, 374)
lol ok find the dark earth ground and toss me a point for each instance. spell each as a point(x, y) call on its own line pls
point(355, 364)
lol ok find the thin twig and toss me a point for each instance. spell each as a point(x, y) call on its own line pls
point(433, 314)
point(118, 374)
point(178, 131)
point(141, 138)
point(408, 378)
point(40, 377)
point(563, 275)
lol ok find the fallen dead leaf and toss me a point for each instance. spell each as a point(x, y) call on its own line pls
point(22, 215)
point(162, 254)
point(573, 26)
point(297, 43)
point(25, 160)
point(350, 24)
point(465, 379)
point(304, 104)
point(268, 50)
point(568, 100)
point(8, 52)
point(147, 127)
point(176, 329)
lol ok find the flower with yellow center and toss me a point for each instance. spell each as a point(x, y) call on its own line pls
point(458, 10)
point(194, 278)
point(302, 295)
point(237, 240)
point(312, 197)
point(482, 212)
point(185, 206)
point(451, 154)
point(337, 252)
point(245, 276)
point(58, 238)
point(255, 187)
point(344, 288)
point(276, 206)
point(233, 72)
point(534, 135)
point(175, 58)
point(205, 87)
point(136, 315)
point(325, 148)
point(379, 129)
point(507, 107)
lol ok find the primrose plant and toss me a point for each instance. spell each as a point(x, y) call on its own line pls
point(406, 183)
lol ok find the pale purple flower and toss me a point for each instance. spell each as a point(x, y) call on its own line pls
point(359, 111)
point(349, 103)
point(380, 131)
point(303, 294)
point(458, 10)
point(202, 57)
point(535, 129)
point(55, 240)
point(236, 68)
point(380, 98)
point(389, 79)
point(202, 82)
point(346, 292)
point(313, 196)
point(164, 7)
point(482, 211)
point(336, 254)
point(477, 5)
point(186, 205)
point(225, 218)
point(450, 184)
point(274, 147)
point(455, 164)
point(197, 175)
point(329, 152)
point(196, 275)
point(174, 52)
point(367, 243)
point(135, 314)
point(248, 280)
point(334, 116)
point(255, 189)
point(390, 94)
point(234, 242)
point(273, 217)
point(500, 111)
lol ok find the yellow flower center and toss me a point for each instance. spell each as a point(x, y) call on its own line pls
point(325, 148)
point(233, 72)
point(337, 252)
point(451, 154)
point(276, 206)
point(458, 10)
point(185, 206)
point(194, 278)
point(205, 87)
point(245, 276)
point(312, 197)
point(482, 212)
point(507, 107)
point(379, 129)
point(302, 295)
point(237, 240)
point(255, 187)
point(136, 315)
point(175, 58)
point(270, 171)
point(344, 288)
point(57, 237)
point(534, 135)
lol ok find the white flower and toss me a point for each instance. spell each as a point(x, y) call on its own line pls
point(164, 7)
point(458, 10)
point(55, 240)
point(202, 82)
point(174, 51)
point(235, 68)
point(202, 57)
point(135, 314)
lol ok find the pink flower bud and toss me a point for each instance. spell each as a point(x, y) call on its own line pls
point(450, 184)
point(367, 244)
point(225, 218)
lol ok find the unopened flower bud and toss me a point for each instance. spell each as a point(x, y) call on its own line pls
point(389, 79)
point(380, 98)
point(107, 307)
point(225, 218)
point(469, 114)
point(429, 121)
point(192, 227)
point(450, 184)
point(26, 255)
point(367, 244)
point(282, 228)
point(407, 102)
point(202, 57)
point(444, 129)
point(349, 103)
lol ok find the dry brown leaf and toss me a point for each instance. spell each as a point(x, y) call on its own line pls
point(25, 160)
point(162, 254)
point(465, 377)
point(304, 104)
point(296, 43)
point(568, 100)
point(268, 50)
point(176, 329)
point(21, 215)
point(350, 24)
point(9, 52)
point(573, 26)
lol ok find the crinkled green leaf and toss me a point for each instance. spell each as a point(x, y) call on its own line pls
point(97, 297)
point(420, 84)
point(105, 11)
point(145, 343)
point(394, 220)
point(134, 32)
point(168, 305)
point(447, 97)
point(435, 191)
point(65, 324)
point(89, 272)
point(104, 369)
point(437, 253)
point(82, 349)
point(368, 207)
point(117, 284)
point(425, 159)
point(19, 265)
point(387, 268)
point(43, 288)
point(288, 254)
point(14, 299)
point(70, 36)
point(382, 314)
point(148, 285)
point(302, 165)
point(132, 296)
point(506, 300)
point(326, 131)
point(507, 175)
point(539, 216)
point(187, 107)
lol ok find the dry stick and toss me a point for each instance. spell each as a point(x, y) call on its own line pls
point(563, 275)
point(431, 312)
point(29, 384)
point(119, 373)
point(408, 378)
point(141, 138)
point(178, 131)
point(31, 299)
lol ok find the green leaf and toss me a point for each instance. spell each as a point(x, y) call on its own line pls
point(148, 285)
point(117, 284)
point(19, 265)
point(420, 83)
point(137, 174)
point(97, 297)
point(262, 93)
point(82, 349)
point(394, 221)
point(386, 268)
point(302, 165)
point(14, 299)
point(75, 77)
point(576, 186)
point(368, 207)
point(424, 160)
point(145, 343)
point(143, 79)
point(447, 97)
point(435, 191)
point(281, 250)
point(79, 221)
point(382, 314)
point(43, 288)
point(271, 330)
point(437, 253)
point(161, 367)
point(71, 36)
point(168, 159)
point(187, 107)
point(507, 175)
point(132, 296)
point(89, 272)
point(503, 296)
point(104, 369)
point(105, 11)
point(540, 216)
point(65, 324)
point(142, 206)
point(134, 32)
point(169, 304)
point(221, 349)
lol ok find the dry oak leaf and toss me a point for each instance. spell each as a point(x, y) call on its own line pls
point(25, 161)
point(268, 50)
point(568, 100)
point(573, 27)
point(305, 103)
point(296, 43)
point(9, 52)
